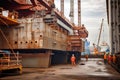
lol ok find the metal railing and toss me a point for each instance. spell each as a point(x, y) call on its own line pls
point(9, 59)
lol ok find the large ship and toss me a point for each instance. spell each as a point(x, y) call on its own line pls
point(39, 32)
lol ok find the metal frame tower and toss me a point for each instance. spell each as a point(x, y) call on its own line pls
point(72, 11)
point(62, 7)
point(79, 12)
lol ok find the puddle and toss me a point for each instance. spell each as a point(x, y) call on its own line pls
point(99, 63)
point(50, 70)
point(92, 67)
point(90, 77)
point(98, 70)
point(82, 64)
point(50, 74)
point(65, 68)
point(27, 72)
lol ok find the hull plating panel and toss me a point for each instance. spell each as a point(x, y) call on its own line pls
point(33, 34)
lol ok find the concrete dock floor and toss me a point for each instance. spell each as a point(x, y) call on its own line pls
point(93, 69)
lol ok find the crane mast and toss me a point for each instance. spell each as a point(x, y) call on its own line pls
point(100, 32)
point(72, 11)
point(79, 12)
point(62, 7)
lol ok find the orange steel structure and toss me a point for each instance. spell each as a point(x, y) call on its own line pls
point(40, 28)
point(9, 61)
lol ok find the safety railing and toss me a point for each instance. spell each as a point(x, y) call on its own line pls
point(7, 60)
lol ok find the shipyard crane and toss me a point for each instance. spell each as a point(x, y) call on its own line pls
point(96, 50)
point(72, 11)
point(62, 7)
point(79, 12)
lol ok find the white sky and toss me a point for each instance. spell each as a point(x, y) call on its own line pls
point(92, 12)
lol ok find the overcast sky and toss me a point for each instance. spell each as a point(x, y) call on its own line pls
point(92, 12)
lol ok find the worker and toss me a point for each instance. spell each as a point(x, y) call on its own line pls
point(96, 51)
point(86, 56)
point(114, 58)
point(105, 58)
point(109, 58)
point(73, 59)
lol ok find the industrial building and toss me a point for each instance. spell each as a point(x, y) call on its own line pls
point(113, 14)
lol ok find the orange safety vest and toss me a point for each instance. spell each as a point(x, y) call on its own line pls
point(73, 59)
point(109, 59)
point(86, 56)
point(114, 58)
point(95, 50)
point(105, 56)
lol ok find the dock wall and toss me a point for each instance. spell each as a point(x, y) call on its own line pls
point(48, 59)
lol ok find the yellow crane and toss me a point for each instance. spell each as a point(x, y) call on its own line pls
point(96, 51)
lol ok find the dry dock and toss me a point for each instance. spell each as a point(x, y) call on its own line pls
point(93, 69)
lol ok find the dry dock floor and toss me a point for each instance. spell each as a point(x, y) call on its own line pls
point(93, 69)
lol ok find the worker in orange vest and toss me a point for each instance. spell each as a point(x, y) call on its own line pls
point(95, 51)
point(73, 59)
point(105, 58)
point(86, 56)
point(114, 58)
point(109, 58)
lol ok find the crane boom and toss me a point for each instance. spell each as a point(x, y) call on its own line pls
point(100, 32)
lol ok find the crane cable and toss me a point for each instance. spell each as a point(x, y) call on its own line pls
point(7, 39)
